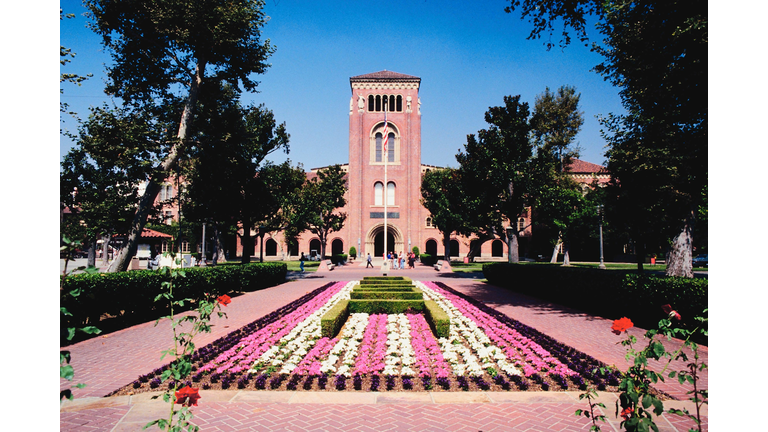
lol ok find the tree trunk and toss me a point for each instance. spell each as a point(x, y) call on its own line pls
point(147, 201)
point(679, 262)
point(554, 252)
point(218, 255)
point(513, 252)
point(92, 252)
point(105, 250)
point(447, 246)
point(640, 255)
point(261, 247)
point(566, 255)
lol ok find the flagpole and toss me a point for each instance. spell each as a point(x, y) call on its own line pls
point(386, 185)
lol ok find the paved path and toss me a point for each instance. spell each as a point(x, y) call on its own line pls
point(108, 362)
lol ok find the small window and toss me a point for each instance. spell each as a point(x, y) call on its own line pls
point(378, 102)
point(378, 148)
point(399, 103)
point(429, 223)
point(378, 193)
point(371, 104)
point(390, 193)
point(521, 224)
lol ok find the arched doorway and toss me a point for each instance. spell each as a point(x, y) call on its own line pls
point(431, 247)
point(374, 240)
point(314, 247)
point(497, 248)
point(454, 248)
point(337, 247)
point(378, 243)
point(270, 247)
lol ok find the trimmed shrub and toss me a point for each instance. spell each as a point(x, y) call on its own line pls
point(384, 279)
point(385, 295)
point(339, 258)
point(129, 297)
point(385, 306)
point(437, 319)
point(334, 319)
point(409, 288)
point(415, 250)
point(427, 259)
point(353, 252)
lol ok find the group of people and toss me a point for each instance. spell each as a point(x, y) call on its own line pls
point(395, 261)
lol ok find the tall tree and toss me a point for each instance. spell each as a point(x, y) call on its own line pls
point(656, 53)
point(224, 182)
point(493, 168)
point(162, 48)
point(441, 195)
point(100, 176)
point(316, 206)
point(556, 121)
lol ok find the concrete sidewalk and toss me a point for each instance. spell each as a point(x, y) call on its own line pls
point(111, 361)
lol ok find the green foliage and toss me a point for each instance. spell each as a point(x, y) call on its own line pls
point(415, 250)
point(352, 252)
point(442, 196)
point(555, 123)
point(339, 259)
point(589, 395)
point(494, 170)
point(427, 259)
point(385, 295)
point(437, 319)
point(130, 296)
point(385, 306)
point(334, 319)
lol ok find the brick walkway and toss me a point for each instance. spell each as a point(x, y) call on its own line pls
point(111, 361)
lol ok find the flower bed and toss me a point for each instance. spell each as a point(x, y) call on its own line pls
point(485, 350)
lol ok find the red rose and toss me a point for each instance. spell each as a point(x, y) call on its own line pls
point(224, 300)
point(187, 396)
point(670, 312)
point(626, 413)
point(621, 325)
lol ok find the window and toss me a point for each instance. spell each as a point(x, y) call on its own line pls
point(378, 193)
point(521, 224)
point(390, 103)
point(429, 223)
point(166, 192)
point(390, 193)
point(377, 144)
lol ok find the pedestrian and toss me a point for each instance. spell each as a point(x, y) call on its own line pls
point(301, 262)
point(389, 259)
point(394, 260)
point(369, 261)
point(402, 260)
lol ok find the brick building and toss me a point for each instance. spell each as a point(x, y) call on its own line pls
point(408, 222)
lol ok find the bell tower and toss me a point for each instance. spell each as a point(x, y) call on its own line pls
point(376, 96)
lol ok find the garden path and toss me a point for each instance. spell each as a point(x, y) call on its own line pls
point(111, 361)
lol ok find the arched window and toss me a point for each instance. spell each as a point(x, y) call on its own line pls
point(431, 247)
point(378, 102)
point(429, 222)
point(391, 193)
point(390, 103)
point(270, 247)
point(371, 103)
point(497, 248)
point(399, 103)
point(378, 148)
point(454, 248)
point(521, 224)
point(378, 194)
point(337, 247)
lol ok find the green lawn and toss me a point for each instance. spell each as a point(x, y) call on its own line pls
point(310, 266)
point(478, 266)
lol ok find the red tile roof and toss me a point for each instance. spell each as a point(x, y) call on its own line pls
point(384, 75)
point(580, 166)
point(148, 233)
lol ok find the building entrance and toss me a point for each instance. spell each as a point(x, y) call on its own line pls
point(374, 240)
point(379, 243)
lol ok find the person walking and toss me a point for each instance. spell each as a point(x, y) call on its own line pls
point(402, 260)
point(301, 262)
point(394, 260)
point(369, 261)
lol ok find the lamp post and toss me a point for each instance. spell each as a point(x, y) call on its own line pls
point(600, 221)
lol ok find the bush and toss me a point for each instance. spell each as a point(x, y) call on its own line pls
point(385, 295)
point(437, 318)
point(385, 306)
point(415, 250)
point(129, 297)
point(353, 252)
point(339, 258)
point(427, 259)
point(334, 319)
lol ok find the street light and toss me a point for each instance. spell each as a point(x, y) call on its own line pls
point(600, 220)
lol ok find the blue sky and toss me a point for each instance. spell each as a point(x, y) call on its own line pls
point(468, 59)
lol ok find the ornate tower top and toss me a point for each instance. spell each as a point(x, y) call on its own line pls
point(384, 80)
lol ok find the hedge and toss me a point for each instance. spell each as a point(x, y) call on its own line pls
point(385, 306)
point(438, 320)
point(427, 259)
point(611, 294)
point(385, 295)
point(384, 288)
point(333, 320)
point(129, 297)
